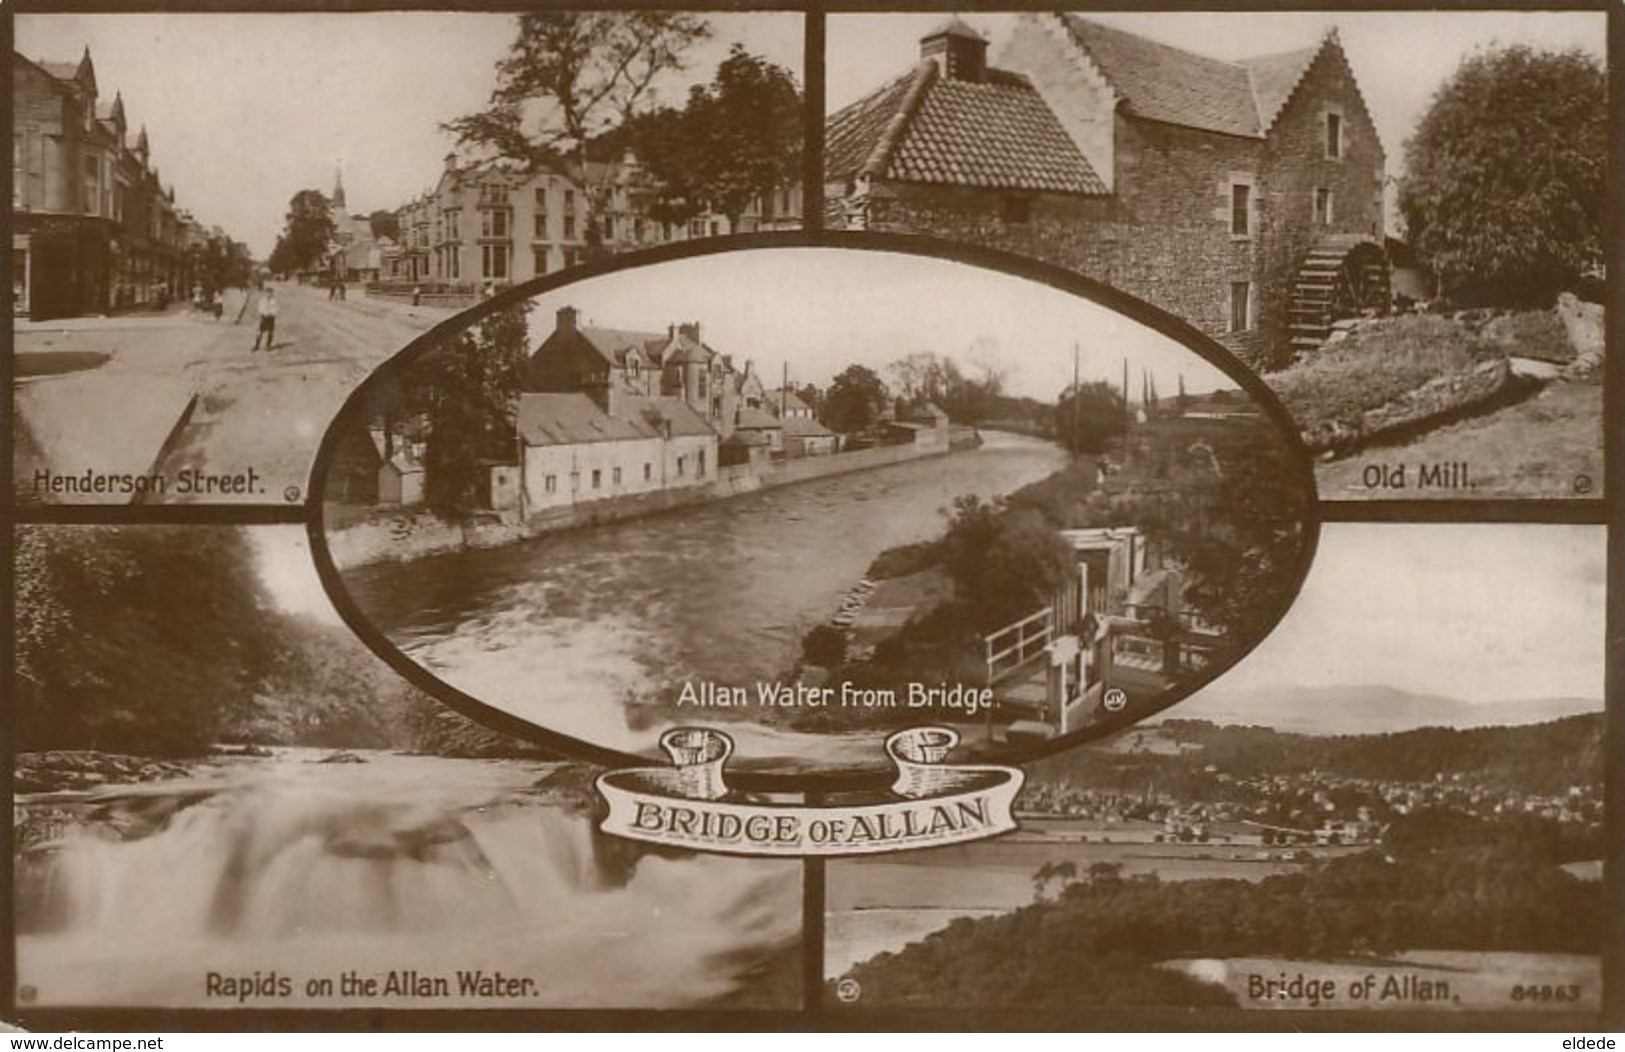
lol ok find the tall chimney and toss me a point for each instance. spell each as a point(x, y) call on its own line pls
point(451, 162)
point(566, 319)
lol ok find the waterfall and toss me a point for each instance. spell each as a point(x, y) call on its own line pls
point(314, 872)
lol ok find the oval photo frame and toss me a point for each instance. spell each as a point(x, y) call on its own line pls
point(1208, 471)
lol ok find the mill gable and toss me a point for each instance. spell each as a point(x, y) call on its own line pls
point(1245, 197)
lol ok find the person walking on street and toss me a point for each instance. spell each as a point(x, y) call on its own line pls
point(268, 310)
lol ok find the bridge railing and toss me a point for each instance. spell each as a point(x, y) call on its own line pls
point(1018, 644)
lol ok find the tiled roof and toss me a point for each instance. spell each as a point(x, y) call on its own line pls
point(1275, 77)
point(1164, 83)
point(997, 133)
point(851, 135)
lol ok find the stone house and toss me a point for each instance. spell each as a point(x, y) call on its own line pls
point(93, 226)
point(1244, 197)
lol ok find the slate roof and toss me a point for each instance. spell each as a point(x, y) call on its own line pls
point(790, 406)
point(60, 70)
point(684, 419)
point(1276, 77)
point(757, 420)
point(927, 128)
point(571, 419)
point(1164, 83)
point(575, 419)
point(613, 343)
point(1160, 82)
point(804, 427)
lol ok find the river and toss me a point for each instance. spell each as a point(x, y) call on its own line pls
point(287, 869)
point(591, 633)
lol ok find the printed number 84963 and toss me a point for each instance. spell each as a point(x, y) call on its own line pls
point(1546, 992)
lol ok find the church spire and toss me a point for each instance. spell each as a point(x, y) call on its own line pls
point(338, 189)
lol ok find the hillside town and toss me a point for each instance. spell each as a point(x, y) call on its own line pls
point(1217, 803)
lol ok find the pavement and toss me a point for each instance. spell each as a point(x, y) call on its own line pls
point(260, 416)
point(91, 435)
point(183, 411)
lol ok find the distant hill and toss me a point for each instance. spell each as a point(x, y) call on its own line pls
point(1369, 710)
point(1542, 758)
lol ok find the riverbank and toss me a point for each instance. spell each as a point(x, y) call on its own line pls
point(405, 535)
point(595, 633)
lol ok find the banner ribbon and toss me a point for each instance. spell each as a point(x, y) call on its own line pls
point(689, 805)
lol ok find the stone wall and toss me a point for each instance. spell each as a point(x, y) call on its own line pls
point(1295, 166)
point(1165, 239)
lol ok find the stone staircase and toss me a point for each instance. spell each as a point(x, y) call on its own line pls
point(1343, 275)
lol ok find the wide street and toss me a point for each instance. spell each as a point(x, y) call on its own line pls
point(182, 404)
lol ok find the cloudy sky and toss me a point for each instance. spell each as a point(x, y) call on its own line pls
point(245, 110)
point(1400, 58)
point(820, 310)
point(1478, 613)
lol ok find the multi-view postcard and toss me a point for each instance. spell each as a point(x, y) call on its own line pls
point(783, 519)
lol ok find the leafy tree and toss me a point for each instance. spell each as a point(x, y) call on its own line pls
point(928, 377)
point(466, 391)
point(571, 78)
point(854, 401)
point(218, 262)
point(811, 396)
point(384, 223)
point(1004, 562)
point(306, 233)
point(1089, 415)
point(737, 139)
point(1504, 187)
point(134, 638)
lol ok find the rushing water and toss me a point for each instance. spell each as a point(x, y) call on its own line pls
point(590, 633)
point(303, 871)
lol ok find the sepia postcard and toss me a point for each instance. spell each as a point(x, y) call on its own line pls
point(782, 519)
